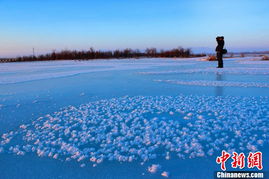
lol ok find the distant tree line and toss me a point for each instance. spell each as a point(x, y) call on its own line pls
point(98, 54)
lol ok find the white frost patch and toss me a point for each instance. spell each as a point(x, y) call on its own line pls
point(254, 62)
point(154, 168)
point(226, 70)
point(165, 174)
point(143, 128)
point(217, 83)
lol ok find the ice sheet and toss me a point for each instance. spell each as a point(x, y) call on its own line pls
point(130, 118)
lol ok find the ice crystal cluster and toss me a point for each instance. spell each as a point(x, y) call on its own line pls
point(142, 128)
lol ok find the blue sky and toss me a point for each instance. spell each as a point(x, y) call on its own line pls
point(106, 24)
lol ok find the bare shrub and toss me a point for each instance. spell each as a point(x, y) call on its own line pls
point(211, 58)
point(265, 57)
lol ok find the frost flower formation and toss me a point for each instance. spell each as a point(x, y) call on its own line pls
point(143, 128)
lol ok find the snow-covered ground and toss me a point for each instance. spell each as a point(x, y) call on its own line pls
point(151, 118)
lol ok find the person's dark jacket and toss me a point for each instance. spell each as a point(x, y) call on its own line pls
point(220, 46)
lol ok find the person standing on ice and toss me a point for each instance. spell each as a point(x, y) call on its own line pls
point(219, 50)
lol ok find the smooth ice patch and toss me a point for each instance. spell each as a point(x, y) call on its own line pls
point(28, 71)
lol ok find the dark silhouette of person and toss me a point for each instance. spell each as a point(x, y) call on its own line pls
point(219, 50)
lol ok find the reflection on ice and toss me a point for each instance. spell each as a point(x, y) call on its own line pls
point(219, 89)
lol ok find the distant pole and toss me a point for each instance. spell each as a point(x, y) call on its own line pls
point(33, 52)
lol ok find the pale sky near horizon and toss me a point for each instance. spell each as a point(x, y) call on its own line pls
point(106, 24)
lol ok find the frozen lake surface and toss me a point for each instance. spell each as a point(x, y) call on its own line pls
point(144, 118)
